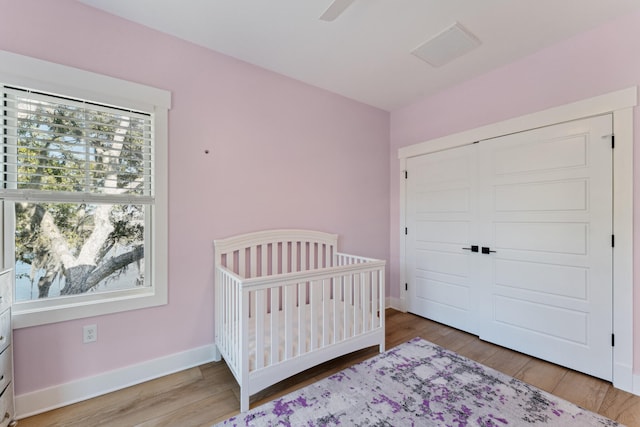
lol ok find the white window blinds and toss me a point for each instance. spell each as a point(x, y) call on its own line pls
point(72, 150)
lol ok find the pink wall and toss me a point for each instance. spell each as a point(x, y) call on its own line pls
point(600, 61)
point(282, 154)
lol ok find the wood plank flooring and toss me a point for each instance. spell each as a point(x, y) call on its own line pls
point(207, 394)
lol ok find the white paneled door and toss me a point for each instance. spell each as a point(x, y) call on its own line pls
point(537, 205)
point(442, 219)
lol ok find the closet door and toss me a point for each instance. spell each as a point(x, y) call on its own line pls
point(540, 203)
point(547, 212)
point(441, 221)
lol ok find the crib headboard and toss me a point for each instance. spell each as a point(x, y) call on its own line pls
point(270, 252)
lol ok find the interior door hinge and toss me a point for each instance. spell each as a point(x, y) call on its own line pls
point(613, 340)
point(613, 241)
point(406, 286)
point(406, 231)
point(406, 174)
point(613, 139)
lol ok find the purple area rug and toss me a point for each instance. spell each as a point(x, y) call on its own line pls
point(419, 384)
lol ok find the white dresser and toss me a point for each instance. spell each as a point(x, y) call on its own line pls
point(6, 350)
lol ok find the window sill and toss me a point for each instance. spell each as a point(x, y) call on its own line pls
point(29, 314)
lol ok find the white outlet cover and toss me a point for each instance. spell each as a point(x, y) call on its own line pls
point(89, 333)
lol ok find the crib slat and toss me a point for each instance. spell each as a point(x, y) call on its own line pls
point(274, 258)
point(259, 313)
point(326, 316)
point(357, 308)
point(374, 301)
point(380, 293)
point(220, 314)
point(343, 311)
point(253, 264)
point(303, 257)
point(229, 312)
point(230, 260)
point(292, 259)
point(314, 258)
point(225, 315)
point(326, 254)
point(311, 250)
point(289, 307)
point(366, 302)
point(238, 317)
point(275, 326)
point(316, 308)
point(264, 256)
point(303, 317)
point(243, 353)
point(242, 264)
point(348, 309)
point(335, 285)
point(230, 320)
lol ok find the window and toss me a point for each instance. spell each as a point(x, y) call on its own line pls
point(83, 185)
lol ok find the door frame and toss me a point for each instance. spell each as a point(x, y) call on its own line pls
point(620, 104)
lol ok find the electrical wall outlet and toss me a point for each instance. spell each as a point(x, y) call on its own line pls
point(89, 333)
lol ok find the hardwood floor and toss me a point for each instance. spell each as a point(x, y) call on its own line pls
point(207, 394)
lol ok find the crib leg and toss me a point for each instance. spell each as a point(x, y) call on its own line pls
point(244, 399)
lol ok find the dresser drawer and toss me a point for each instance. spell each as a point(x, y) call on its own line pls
point(6, 406)
point(5, 329)
point(6, 291)
point(6, 368)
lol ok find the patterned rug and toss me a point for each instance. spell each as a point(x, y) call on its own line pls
point(419, 384)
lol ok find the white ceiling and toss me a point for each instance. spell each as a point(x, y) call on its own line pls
point(365, 54)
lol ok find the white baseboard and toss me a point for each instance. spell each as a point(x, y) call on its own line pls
point(395, 303)
point(636, 385)
point(39, 401)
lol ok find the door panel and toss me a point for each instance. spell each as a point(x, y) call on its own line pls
point(566, 195)
point(548, 289)
point(545, 155)
point(440, 223)
point(443, 231)
point(541, 318)
point(542, 201)
point(553, 279)
point(448, 201)
point(548, 237)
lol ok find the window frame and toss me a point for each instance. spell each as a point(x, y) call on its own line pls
point(22, 71)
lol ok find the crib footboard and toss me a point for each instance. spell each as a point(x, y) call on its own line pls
point(270, 327)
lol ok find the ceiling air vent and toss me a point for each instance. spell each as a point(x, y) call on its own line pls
point(447, 45)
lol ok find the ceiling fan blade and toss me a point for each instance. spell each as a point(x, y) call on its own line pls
point(335, 9)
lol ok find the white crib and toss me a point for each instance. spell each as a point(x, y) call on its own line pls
point(286, 300)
